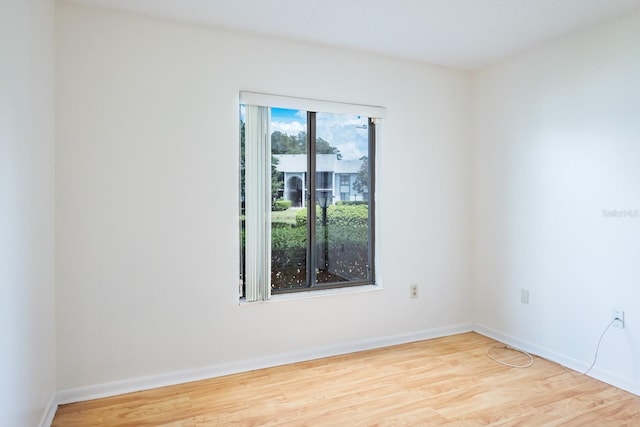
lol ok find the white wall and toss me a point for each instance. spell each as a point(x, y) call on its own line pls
point(27, 300)
point(147, 216)
point(557, 141)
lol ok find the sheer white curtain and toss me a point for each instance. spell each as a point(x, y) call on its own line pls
point(257, 203)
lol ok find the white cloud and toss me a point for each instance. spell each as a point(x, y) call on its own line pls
point(344, 132)
point(350, 151)
point(289, 128)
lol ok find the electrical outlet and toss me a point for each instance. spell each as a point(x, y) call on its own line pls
point(617, 316)
point(413, 291)
point(524, 296)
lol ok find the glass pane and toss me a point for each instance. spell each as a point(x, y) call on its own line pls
point(288, 190)
point(342, 174)
point(242, 198)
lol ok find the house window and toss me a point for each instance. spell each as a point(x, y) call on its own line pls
point(324, 180)
point(293, 235)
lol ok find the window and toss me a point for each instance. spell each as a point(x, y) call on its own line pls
point(296, 233)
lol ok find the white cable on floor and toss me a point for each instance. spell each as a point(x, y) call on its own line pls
point(504, 346)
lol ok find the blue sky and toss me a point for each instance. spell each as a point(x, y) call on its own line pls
point(291, 122)
point(282, 114)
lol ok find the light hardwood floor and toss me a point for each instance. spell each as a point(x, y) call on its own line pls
point(441, 382)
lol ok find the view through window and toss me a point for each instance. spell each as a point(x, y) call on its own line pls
point(320, 213)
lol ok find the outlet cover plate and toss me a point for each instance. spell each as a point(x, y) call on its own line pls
point(413, 291)
point(617, 314)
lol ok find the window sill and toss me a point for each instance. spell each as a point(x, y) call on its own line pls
point(294, 296)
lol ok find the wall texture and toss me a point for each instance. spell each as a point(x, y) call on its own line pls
point(27, 299)
point(147, 213)
point(147, 218)
point(556, 152)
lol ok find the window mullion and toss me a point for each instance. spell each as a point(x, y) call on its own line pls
point(372, 196)
point(311, 198)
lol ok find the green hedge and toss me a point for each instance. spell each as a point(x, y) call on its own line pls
point(351, 202)
point(347, 244)
point(281, 205)
point(348, 215)
point(284, 236)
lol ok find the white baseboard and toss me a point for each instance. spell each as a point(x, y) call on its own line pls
point(564, 360)
point(50, 411)
point(178, 377)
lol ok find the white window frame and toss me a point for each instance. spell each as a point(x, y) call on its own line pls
point(257, 178)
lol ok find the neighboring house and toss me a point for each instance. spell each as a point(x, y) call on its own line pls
point(334, 175)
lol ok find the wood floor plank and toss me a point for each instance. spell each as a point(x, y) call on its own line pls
point(442, 382)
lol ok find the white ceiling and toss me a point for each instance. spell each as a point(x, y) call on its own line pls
point(466, 34)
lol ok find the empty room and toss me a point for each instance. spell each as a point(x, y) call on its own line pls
point(306, 212)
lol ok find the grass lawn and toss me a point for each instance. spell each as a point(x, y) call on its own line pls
point(287, 217)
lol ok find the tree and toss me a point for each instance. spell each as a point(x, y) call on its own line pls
point(277, 179)
point(323, 147)
point(361, 183)
point(282, 143)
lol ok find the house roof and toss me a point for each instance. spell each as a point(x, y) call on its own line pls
point(348, 166)
point(324, 163)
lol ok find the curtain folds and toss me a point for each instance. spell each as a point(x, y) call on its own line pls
point(258, 203)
